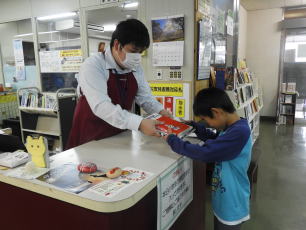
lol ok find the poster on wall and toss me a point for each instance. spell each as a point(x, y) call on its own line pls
point(168, 41)
point(19, 59)
point(60, 61)
point(175, 97)
point(204, 49)
point(204, 6)
point(230, 23)
point(220, 20)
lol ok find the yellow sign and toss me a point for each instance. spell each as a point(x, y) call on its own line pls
point(8, 98)
point(167, 89)
point(180, 107)
point(70, 53)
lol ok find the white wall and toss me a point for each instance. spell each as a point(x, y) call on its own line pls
point(11, 10)
point(263, 53)
point(243, 31)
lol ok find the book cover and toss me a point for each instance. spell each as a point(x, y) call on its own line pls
point(178, 128)
point(66, 177)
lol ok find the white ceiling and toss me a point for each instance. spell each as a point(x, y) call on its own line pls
point(269, 4)
point(112, 15)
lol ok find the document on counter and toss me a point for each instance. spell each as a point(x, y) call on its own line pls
point(110, 188)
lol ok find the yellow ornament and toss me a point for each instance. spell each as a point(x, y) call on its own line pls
point(38, 149)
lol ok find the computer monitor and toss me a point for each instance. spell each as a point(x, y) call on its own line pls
point(10, 143)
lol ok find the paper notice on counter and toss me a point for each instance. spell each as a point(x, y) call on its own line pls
point(13, 159)
point(23, 173)
point(110, 188)
point(136, 175)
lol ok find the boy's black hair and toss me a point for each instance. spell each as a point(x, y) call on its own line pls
point(131, 31)
point(209, 98)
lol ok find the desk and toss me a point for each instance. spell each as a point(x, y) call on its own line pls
point(32, 204)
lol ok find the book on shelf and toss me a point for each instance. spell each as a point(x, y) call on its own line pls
point(231, 78)
point(291, 86)
point(236, 98)
point(37, 100)
point(249, 92)
point(288, 99)
point(178, 128)
point(242, 97)
point(288, 110)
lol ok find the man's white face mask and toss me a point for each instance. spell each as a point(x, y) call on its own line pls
point(131, 61)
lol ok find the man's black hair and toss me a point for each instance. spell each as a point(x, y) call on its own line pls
point(131, 31)
point(209, 98)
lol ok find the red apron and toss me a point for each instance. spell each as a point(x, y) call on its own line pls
point(122, 89)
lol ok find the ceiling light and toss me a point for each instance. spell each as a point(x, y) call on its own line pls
point(23, 35)
point(30, 34)
point(57, 16)
point(109, 28)
point(131, 5)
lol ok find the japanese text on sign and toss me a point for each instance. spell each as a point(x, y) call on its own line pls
point(175, 192)
point(167, 89)
point(70, 53)
point(180, 108)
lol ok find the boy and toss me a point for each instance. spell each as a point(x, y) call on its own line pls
point(231, 150)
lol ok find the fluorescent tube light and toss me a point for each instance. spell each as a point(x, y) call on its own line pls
point(30, 34)
point(57, 16)
point(65, 40)
point(109, 28)
point(131, 5)
point(23, 35)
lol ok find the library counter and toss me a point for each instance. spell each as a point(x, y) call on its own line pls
point(32, 204)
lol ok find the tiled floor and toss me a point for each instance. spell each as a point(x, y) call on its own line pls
point(279, 198)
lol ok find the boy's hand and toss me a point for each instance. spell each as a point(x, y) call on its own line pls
point(169, 131)
point(187, 122)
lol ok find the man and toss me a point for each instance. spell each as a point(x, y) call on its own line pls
point(109, 83)
point(101, 47)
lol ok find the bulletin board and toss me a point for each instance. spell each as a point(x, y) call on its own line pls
point(174, 96)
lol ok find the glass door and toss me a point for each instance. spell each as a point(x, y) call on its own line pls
point(292, 99)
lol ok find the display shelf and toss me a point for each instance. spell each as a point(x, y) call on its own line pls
point(288, 93)
point(44, 132)
point(243, 85)
point(247, 99)
point(36, 110)
point(242, 106)
point(283, 103)
point(48, 114)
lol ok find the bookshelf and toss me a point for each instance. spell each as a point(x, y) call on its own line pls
point(246, 95)
point(47, 114)
point(286, 108)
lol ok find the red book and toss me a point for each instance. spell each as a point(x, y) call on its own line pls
point(178, 128)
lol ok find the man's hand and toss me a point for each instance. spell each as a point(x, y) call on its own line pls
point(147, 126)
point(165, 113)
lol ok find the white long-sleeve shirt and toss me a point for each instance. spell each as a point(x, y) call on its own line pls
point(93, 77)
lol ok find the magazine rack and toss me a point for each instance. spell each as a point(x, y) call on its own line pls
point(47, 114)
